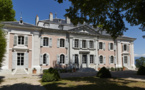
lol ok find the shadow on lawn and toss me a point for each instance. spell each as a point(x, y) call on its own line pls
point(22, 86)
point(94, 84)
point(1, 79)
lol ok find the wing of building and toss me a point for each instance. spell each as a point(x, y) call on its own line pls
point(58, 43)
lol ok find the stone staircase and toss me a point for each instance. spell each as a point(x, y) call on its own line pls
point(21, 71)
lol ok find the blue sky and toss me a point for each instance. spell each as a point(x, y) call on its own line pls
point(42, 8)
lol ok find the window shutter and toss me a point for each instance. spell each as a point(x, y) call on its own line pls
point(95, 59)
point(26, 59)
point(15, 40)
point(58, 59)
point(26, 40)
point(88, 46)
point(128, 61)
point(66, 59)
point(41, 59)
point(50, 42)
point(115, 62)
point(123, 60)
point(98, 46)
point(80, 42)
point(73, 58)
point(47, 60)
point(41, 41)
point(104, 60)
point(109, 46)
point(104, 46)
point(94, 42)
point(123, 47)
point(128, 47)
point(109, 59)
point(14, 60)
point(88, 60)
point(66, 43)
point(99, 60)
point(73, 43)
point(114, 46)
point(58, 42)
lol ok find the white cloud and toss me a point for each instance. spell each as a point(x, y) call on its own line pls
point(139, 55)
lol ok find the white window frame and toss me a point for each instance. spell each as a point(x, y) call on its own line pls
point(102, 59)
point(20, 41)
point(44, 41)
point(102, 46)
point(92, 60)
point(61, 43)
point(112, 46)
point(63, 60)
point(124, 59)
point(92, 44)
point(111, 59)
point(85, 44)
point(76, 44)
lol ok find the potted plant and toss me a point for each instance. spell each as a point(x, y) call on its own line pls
point(123, 68)
point(34, 71)
point(99, 68)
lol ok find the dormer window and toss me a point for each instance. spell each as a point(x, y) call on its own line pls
point(59, 21)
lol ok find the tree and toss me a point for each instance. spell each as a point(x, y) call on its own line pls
point(6, 14)
point(140, 62)
point(109, 13)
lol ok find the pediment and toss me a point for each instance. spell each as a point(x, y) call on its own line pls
point(84, 29)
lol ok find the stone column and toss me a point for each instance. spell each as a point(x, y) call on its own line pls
point(119, 58)
point(88, 60)
point(132, 56)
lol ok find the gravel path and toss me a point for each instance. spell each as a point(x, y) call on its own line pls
point(21, 82)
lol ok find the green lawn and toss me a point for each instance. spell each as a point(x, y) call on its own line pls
point(94, 83)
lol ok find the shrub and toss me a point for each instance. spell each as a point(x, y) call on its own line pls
point(112, 69)
point(141, 71)
point(104, 73)
point(50, 75)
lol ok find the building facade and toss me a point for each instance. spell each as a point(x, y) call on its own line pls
point(58, 43)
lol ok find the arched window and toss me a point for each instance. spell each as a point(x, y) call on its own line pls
point(101, 59)
point(45, 41)
point(62, 58)
point(44, 58)
point(112, 59)
point(125, 59)
point(62, 42)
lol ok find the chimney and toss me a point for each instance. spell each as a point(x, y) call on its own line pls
point(51, 16)
point(67, 20)
point(36, 20)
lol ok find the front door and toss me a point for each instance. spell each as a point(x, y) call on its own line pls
point(84, 60)
point(20, 60)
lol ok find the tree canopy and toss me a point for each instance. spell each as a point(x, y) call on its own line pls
point(6, 14)
point(109, 13)
point(140, 62)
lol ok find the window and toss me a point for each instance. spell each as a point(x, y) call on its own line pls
point(111, 46)
point(76, 59)
point(20, 59)
point(21, 40)
point(125, 47)
point(76, 43)
point(84, 59)
point(62, 42)
point(100, 45)
point(62, 58)
point(45, 41)
point(91, 58)
point(101, 59)
point(91, 44)
point(112, 59)
point(44, 58)
point(84, 44)
point(125, 59)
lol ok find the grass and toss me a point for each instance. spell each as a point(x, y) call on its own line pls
point(94, 83)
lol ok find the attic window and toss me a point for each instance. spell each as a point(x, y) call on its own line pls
point(59, 20)
point(21, 22)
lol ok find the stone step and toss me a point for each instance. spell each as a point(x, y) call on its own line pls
point(20, 71)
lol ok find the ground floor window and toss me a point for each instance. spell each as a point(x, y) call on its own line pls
point(112, 59)
point(76, 59)
point(84, 59)
point(125, 59)
point(44, 58)
point(20, 59)
point(91, 58)
point(62, 58)
point(101, 59)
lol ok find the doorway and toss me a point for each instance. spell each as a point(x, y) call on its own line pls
point(20, 59)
